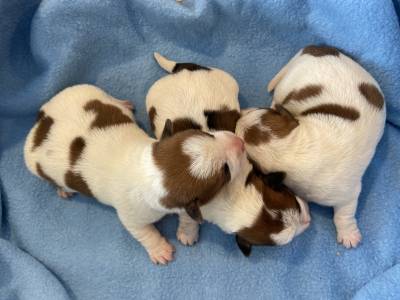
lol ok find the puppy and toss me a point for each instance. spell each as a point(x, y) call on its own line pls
point(258, 208)
point(87, 141)
point(329, 116)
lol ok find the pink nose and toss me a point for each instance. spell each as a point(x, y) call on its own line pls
point(238, 143)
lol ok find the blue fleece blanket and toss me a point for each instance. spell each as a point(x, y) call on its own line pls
point(55, 249)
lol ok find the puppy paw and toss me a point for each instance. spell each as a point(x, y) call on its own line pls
point(163, 253)
point(127, 104)
point(64, 194)
point(188, 236)
point(349, 238)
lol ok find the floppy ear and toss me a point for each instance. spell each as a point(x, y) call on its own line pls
point(274, 179)
point(168, 129)
point(243, 245)
point(285, 113)
point(193, 210)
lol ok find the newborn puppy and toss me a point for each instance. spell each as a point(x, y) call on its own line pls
point(258, 208)
point(325, 135)
point(87, 141)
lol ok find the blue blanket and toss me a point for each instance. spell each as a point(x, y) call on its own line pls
point(55, 249)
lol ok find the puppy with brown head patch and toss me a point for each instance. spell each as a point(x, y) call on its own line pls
point(87, 141)
point(258, 208)
point(328, 116)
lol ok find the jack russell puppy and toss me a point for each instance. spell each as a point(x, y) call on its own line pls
point(327, 118)
point(258, 208)
point(86, 141)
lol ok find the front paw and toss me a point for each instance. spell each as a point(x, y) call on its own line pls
point(162, 253)
point(188, 236)
point(349, 238)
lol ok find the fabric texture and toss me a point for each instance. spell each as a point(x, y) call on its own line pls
point(56, 249)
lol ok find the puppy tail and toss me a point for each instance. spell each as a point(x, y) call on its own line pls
point(166, 64)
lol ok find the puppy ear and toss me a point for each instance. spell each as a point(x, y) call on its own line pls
point(193, 210)
point(168, 129)
point(243, 245)
point(285, 113)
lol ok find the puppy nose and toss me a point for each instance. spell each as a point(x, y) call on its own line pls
point(238, 143)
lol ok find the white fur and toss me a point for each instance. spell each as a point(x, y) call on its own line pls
point(325, 156)
point(208, 89)
point(188, 94)
point(117, 164)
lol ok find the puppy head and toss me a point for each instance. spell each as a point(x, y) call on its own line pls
point(260, 125)
point(196, 165)
point(282, 215)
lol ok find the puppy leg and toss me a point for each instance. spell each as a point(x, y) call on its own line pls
point(348, 233)
point(158, 248)
point(188, 230)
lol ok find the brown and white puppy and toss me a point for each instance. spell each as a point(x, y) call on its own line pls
point(329, 116)
point(87, 141)
point(258, 208)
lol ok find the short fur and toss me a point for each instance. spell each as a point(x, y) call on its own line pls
point(248, 205)
point(341, 115)
point(94, 147)
point(205, 91)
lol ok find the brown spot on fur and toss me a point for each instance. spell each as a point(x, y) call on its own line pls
point(344, 112)
point(40, 115)
point(182, 124)
point(255, 136)
point(42, 130)
point(304, 93)
point(76, 149)
point(280, 121)
point(319, 51)
point(223, 119)
point(106, 115)
point(76, 182)
point(42, 174)
point(372, 94)
point(183, 188)
point(188, 66)
point(275, 200)
point(152, 115)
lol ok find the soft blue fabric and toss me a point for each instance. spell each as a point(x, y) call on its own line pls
point(55, 249)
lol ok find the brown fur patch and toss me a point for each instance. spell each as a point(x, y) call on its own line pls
point(76, 182)
point(106, 115)
point(42, 130)
point(152, 115)
point(76, 149)
point(255, 136)
point(344, 112)
point(223, 119)
point(304, 93)
point(319, 51)
point(183, 187)
point(182, 124)
point(265, 225)
point(279, 123)
point(42, 174)
point(372, 94)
